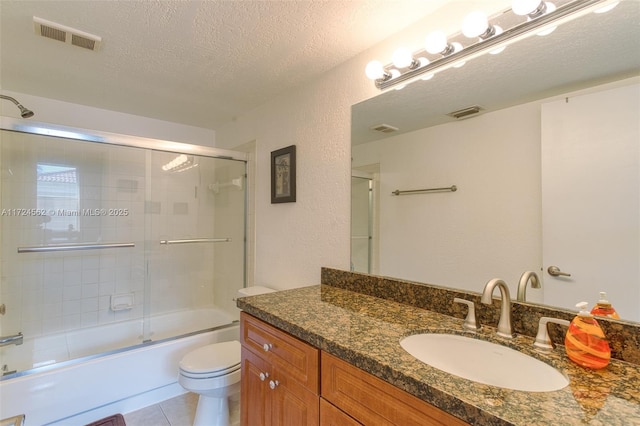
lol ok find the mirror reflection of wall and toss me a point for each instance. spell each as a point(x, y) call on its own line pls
point(492, 226)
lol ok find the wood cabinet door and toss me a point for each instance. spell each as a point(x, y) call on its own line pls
point(292, 403)
point(282, 350)
point(255, 402)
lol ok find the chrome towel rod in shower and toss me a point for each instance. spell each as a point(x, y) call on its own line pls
point(451, 188)
point(69, 247)
point(197, 240)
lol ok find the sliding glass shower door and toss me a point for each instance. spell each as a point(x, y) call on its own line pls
point(197, 227)
point(105, 245)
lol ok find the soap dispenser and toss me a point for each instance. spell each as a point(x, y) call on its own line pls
point(603, 308)
point(585, 342)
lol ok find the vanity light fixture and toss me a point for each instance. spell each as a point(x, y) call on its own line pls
point(476, 25)
point(490, 35)
point(436, 43)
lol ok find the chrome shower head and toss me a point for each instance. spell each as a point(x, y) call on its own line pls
point(24, 112)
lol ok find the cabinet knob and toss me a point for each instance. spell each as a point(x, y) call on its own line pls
point(263, 376)
point(267, 347)
point(273, 384)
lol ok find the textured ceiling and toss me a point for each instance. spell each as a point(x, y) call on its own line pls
point(194, 62)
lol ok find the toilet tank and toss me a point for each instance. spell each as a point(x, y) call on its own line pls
point(254, 291)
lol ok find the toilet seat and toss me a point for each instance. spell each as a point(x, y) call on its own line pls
point(211, 361)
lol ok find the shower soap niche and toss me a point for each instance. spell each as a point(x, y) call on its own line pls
point(121, 302)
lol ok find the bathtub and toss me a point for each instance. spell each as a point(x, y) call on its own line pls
point(85, 387)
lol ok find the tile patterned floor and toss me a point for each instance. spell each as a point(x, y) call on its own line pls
point(178, 411)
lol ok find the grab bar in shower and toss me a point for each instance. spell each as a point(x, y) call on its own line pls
point(197, 240)
point(68, 247)
point(16, 339)
point(451, 188)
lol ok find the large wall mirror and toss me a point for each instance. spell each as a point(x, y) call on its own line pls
point(547, 174)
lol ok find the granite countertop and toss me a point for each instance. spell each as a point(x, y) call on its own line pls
point(365, 331)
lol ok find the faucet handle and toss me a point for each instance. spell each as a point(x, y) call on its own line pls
point(543, 342)
point(471, 321)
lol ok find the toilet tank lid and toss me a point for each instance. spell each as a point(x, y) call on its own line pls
point(254, 291)
point(211, 358)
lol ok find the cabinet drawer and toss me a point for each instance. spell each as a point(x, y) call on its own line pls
point(372, 401)
point(284, 351)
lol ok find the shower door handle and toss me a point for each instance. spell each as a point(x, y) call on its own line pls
point(197, 240)
point(16, 339)
point(69, 247)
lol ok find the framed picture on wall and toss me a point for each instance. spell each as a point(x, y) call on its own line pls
point(283, 175)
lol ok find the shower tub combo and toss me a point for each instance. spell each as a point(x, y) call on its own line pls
point(118, 256)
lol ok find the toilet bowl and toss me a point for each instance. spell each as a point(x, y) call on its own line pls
point(213, 372)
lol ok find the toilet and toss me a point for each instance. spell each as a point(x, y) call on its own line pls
point(213, 372)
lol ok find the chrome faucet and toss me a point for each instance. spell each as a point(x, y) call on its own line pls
point(522, 285)
point(543, 342)
point(471, 322)
point(504, 323)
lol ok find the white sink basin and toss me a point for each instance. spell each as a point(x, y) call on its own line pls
point(484, 362)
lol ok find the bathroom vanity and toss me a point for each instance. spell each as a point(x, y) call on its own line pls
point(289, 382)
point(329, 355)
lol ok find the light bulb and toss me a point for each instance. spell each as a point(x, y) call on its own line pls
point(402, 58)
point(525, 7)
point(475, 24)
point(375, 70)
point(436, 42)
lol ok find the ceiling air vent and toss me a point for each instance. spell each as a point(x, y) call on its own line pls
point(65, 34)
point(465, 112)
point(384, 128)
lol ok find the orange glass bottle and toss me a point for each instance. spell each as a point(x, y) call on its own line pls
point(585, 342)
point(603, 308)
